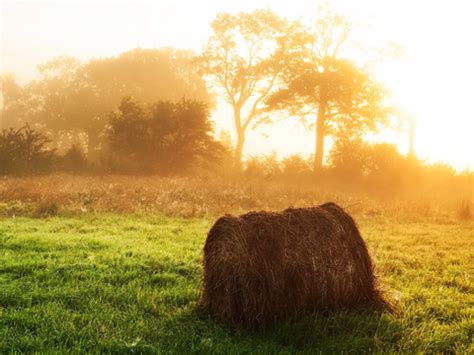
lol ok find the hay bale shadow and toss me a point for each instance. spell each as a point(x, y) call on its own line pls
point(332, 332)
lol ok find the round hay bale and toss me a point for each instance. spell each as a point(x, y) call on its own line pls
point(263, 267)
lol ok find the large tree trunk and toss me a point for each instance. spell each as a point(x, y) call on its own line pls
point(238, 149)
point(320, 135)
point(239, 146)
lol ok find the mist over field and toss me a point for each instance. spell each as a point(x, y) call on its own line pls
point(223, 177)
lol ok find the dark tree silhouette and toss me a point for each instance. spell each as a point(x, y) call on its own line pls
point(163, 137)
point(24, 150)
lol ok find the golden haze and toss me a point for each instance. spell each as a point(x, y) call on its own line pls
point(431, 80)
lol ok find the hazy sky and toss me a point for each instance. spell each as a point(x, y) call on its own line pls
point(433, 80)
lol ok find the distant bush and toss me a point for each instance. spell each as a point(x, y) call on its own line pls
point(25, 150)
point(74, 160)
point(378, 168)
point(295, 166)
point(263, 167)
point(349, 159)
point(385, 168)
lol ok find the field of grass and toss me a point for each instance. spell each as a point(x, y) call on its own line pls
point(130, 284)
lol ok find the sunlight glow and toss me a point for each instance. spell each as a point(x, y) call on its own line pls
point(431, 81)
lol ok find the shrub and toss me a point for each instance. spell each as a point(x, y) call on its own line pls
point(25, 150)
point(295, 166)
point(74, 160)
point(263, 167)
point(348, 159)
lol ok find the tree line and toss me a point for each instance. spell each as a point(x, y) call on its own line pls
point(163, 137)
point(149, 110)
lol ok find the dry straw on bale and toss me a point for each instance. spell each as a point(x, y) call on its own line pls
point(264, 267)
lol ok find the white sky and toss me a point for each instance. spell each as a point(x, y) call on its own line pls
point(433, 81)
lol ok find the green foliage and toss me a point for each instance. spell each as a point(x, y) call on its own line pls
point(24, 150)
point(125, 284)
point(163, 137)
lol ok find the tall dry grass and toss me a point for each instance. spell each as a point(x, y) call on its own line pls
point(200, 196)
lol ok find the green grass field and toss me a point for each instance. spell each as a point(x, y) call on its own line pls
point(130, 284)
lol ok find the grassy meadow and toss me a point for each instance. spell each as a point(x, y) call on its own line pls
point(130, 283)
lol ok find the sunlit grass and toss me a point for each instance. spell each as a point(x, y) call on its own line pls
point(131, 284)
